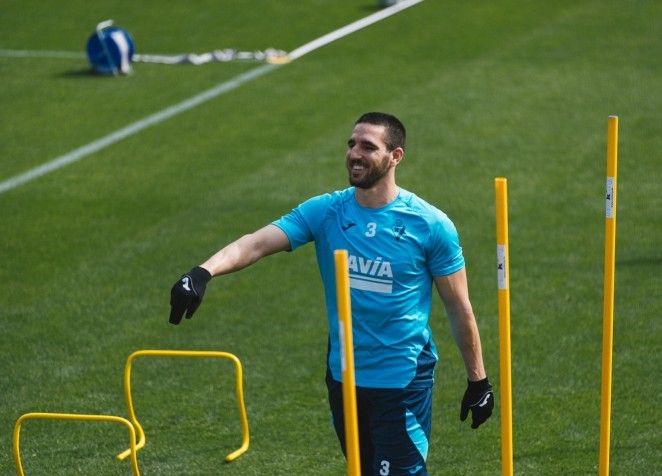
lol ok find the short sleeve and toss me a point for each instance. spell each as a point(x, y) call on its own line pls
point(444, 251)
point(302, 224)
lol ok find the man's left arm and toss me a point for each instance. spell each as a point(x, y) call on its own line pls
point(454, 292)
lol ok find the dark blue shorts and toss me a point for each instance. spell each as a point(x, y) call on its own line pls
point(394, 428)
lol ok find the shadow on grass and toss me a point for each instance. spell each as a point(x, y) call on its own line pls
point(80, 73)
point(643, 261)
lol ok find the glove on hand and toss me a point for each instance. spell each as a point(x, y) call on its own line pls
point(186, 294)
point(478, 398)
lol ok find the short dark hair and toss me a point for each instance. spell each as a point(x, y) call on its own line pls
point(396, 135)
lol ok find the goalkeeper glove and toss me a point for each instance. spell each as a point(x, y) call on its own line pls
point(186, 294)
point(478, 398)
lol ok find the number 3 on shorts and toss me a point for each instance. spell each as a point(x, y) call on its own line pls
point(385, 471)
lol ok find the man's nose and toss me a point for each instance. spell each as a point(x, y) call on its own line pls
point(353, 153)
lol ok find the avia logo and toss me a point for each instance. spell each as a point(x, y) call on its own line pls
point(347, 226)
point(186, 283)
point(416, 469)
point(370, 275)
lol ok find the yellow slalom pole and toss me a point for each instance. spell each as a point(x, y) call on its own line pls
point(503, 278)
point(608, 303)
point(347, 361)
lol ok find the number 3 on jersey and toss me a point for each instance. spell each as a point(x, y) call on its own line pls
point(372, 229)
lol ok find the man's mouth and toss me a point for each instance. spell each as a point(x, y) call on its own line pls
point(356, 166)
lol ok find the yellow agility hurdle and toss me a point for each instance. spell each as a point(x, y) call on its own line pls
point(77, 417)
point(186, 353)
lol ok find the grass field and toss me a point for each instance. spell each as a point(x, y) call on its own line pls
point(520, 89)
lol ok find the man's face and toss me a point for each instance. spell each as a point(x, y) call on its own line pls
point(368, 159)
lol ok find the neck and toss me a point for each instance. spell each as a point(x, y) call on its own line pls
point(378, 196)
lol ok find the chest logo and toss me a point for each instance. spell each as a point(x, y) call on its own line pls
point(399, 230)
point(370, 275)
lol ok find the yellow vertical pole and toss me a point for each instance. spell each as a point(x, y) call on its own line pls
point(347, 361)
point(608, 303)
point(503, 279)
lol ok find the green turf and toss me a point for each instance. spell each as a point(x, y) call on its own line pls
point(519, 89)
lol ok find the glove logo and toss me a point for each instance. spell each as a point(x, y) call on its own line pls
point(186, 281)
point(484, 401)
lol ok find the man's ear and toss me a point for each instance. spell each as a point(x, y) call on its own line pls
point(397, 155)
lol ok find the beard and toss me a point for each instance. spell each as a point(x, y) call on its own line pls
point(372, 174)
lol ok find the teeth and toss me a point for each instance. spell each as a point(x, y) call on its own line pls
point(357, 167)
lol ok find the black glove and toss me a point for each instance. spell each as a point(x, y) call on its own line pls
point(478, 398)
point(186, 294)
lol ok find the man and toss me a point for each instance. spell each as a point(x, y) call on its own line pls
point(398, 245)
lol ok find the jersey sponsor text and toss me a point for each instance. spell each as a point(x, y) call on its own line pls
point(370, 275)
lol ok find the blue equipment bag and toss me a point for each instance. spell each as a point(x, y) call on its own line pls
point(110, 49)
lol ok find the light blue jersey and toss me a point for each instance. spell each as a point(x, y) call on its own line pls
point(394, 251)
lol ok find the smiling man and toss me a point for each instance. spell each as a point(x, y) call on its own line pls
point(399, 246)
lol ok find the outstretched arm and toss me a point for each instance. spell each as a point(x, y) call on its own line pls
point(247, 250)
point(186, 294)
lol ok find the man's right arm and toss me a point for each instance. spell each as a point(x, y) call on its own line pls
point(186, 294)
point(247, 250)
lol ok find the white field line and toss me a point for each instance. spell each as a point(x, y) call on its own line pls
point(77, 154)
point(41, 54)
point(156, 118)
point(351, 28)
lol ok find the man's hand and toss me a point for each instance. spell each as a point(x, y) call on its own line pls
point(186, 294)
point(478, 398)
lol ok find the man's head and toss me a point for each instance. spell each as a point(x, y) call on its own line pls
point(374, 150)
point(396, 135)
